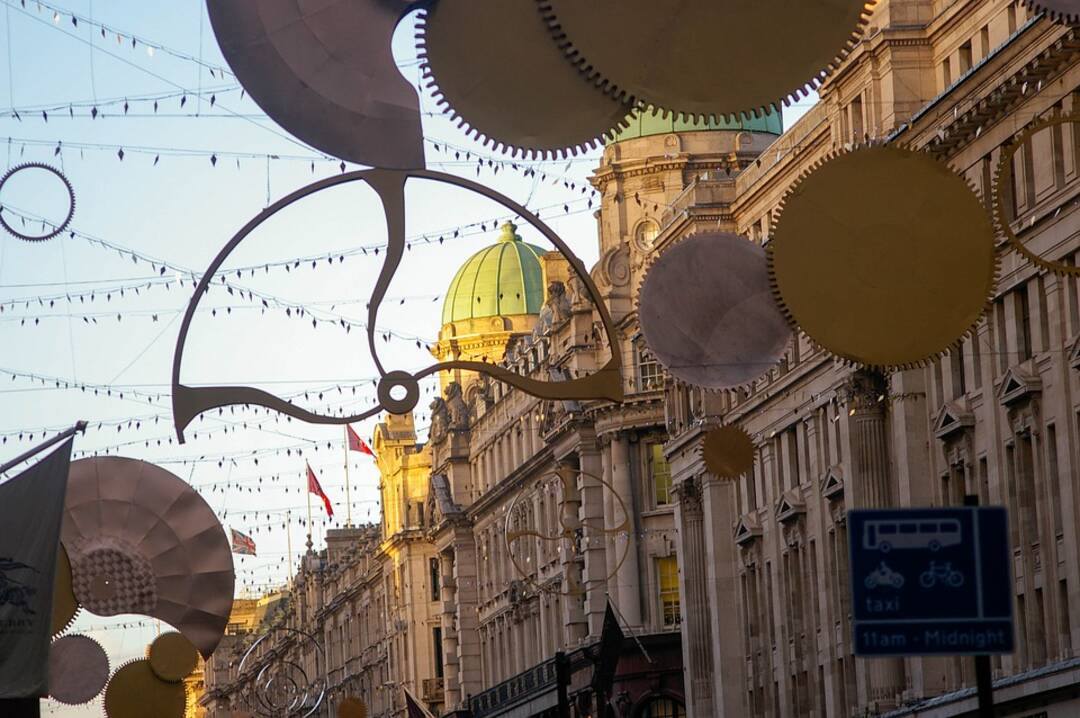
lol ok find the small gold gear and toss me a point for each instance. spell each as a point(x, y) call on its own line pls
point(703, 57)
point(1004, 178)
point(172, 657)
point(135, 692)
point(494, 68)
point(352, 708)
point(728, 452)
point(64, 607)
point(883, 256)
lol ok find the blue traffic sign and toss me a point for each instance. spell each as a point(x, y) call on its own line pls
point(931, 581)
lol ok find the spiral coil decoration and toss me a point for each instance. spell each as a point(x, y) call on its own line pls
point(281, 686)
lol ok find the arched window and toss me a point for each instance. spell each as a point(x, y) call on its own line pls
point(645, 234)
point(663, 708)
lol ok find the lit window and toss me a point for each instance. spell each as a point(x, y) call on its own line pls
point(649, 374)
point(646, 233)
point(660, 472)
point(664, 708)
point(668, 569)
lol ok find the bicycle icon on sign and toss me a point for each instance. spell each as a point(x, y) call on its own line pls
point(934, 535)
point(941, 573)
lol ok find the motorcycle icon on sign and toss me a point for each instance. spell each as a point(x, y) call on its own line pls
point(941, 573)
point(884, 576)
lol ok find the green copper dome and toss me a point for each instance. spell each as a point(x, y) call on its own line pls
point(644, 124)
point(502, 280)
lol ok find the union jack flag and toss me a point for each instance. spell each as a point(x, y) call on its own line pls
point(242, 543)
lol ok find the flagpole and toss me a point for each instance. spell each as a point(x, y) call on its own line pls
point(308, 481)
point(348, 501)
point(288, 540)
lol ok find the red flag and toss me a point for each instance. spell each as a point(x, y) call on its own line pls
point(356, 443)
point(313, 487)
point(242, 543)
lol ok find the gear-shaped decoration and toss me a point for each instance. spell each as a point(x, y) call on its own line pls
point(397, 391)
point(883, 284)
point(352, 708)
point(1063, 11)
point(728, 452)
point(54, 229)
point(512, 88)
point(78, 669)
point(1004, 179)
point(141, 540)
point(708, 315)
point(135, 692)
point(65, 607)
point(172, 657)
point(694, 71)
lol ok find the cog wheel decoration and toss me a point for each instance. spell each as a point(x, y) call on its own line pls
point(78, 669)
point(694, 70)
point(143, 541)
point(1004, 178)
point(728, 452)
point(135, 692)
point(891, 280)
point(172, 657)
point(352, 708)
point(1063, 11)
point(569, 534)
point(65, 606)
point(324, 71)
point(512, 88)
point(56, 229)
point(189, 402)
point(707, 312)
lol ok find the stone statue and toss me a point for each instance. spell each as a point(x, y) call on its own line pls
point(440, 419)
point(555, 311)
point(457, 409)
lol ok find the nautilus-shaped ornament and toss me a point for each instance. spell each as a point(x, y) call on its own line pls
point(398, 391)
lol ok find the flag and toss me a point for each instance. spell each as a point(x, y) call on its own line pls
point(242, 543)
point(413, 707)
point(313, 487)
point(31, 511)
point(611, 638)
point(356, 443)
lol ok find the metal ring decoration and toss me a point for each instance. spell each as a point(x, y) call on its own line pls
point(71, 202)
point(282, 686)
point(1003, 177)
point(572, 530)
point(188, 402)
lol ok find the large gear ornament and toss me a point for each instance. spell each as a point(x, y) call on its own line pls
point(65, 607)
point(1003, 177)
point(55, 229)
point(707, 312)
point(877, 281)
point(511, 89)
point(134, 691)
point(78, 669)
point(1063, 11)
point(687, 56)
point(728, 452)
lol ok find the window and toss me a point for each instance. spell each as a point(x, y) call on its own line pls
point(965, 57)
point(668, 570)
point(436, 589)
point(437, 649)
point(660, 472)
point(664, 708)
point(645, 234)
point(648, 369)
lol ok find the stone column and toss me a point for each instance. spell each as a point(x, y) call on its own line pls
point(573, 581)
point(469, 668)
point(693, 589)
point(609, 518)
point(594, 539)
point(866, 396)
point(628, 576)
point(449, 647)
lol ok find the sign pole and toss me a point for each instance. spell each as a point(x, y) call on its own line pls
point(348, 499)
point(984, 677)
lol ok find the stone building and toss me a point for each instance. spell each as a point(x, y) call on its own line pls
point(503, 537)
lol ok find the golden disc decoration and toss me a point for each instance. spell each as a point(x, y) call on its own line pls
point(352, 708)
point(1004, 179)
point(703, 57)
point(64, 607)
point(172, 657)
point(883, 256)
point(728, 452)
point(494, 67)
point(135, 692)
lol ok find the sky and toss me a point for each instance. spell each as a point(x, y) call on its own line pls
point(167, 160)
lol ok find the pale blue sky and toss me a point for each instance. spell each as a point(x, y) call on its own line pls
point(167, 201)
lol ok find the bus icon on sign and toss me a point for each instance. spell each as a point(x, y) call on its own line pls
point(887, 535)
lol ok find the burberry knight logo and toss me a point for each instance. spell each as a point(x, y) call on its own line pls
point(14, 590)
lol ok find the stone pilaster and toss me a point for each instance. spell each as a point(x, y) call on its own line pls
point(593, 540)
point(693, 588)
point(628, 575)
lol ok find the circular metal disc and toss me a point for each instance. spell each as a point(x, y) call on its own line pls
point(64, 606)
point(78, 669)
point(704, 57)
point(728, 452)
point(1067, 11)
point(707, 313)
point(496, 67)
point(172, 657)
point(884, 257)
point(135, 692)
point(352, 708)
